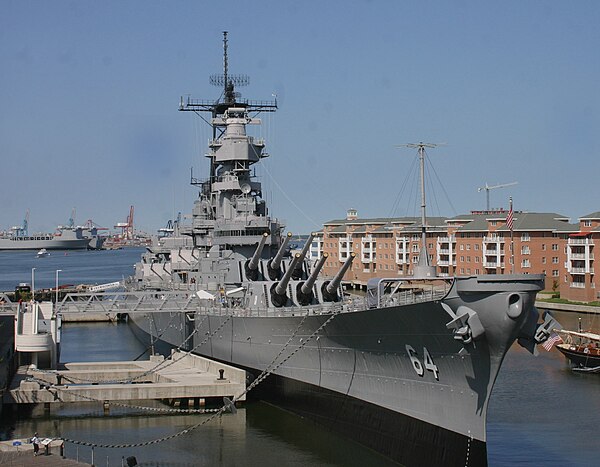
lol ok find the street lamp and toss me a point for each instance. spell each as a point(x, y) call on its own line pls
point(33, 284)
point(57, 271)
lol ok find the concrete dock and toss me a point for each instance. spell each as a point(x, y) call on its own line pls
point(181, 378)
point(19, 453)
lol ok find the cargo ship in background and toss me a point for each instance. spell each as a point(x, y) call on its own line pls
point(407, 370)
point(69, 237)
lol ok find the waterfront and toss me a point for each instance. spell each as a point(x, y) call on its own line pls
point(540, 413)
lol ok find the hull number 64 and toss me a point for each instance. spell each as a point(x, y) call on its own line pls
point(426, 364)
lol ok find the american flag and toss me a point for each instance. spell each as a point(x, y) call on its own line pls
point(509, 217)
point(553, 339)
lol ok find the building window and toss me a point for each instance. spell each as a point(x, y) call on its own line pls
point(525, 250)
point(525, 263)
point(554, 247)
point(587, 223)
point(543, 247)
point(555, 273)
point(544, 260)
point(555, 260)
point(493, 223)
point(462, 247)
point(525, 237)
point(476, 247)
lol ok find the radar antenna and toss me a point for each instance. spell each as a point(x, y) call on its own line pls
point(228, 82)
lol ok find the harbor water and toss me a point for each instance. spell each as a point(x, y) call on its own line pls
point(541, 413)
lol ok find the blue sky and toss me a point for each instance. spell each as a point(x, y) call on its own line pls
point(89, 93)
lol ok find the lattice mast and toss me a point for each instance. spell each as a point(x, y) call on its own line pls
point(229, 98)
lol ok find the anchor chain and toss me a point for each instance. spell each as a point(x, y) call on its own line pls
point(120, 404)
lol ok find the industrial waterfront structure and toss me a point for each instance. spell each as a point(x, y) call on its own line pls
point(468, 244)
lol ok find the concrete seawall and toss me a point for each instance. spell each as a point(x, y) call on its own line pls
point(567, 307)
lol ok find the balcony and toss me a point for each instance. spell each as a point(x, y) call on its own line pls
point(580, 241)
point(492, 264)
point(582, 256)
point(446, 239)
point(581, 271)
point(444, 251)
point(577, 285)
point(493, 239)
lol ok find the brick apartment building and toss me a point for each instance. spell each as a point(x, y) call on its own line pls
point(475, 243)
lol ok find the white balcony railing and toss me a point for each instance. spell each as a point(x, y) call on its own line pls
point(577, 285)
point(580, 241)
point(582, 256)
point(493, 239)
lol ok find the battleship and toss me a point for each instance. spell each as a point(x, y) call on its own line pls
point(407, 370)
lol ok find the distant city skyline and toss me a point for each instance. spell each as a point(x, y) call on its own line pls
point(89, 96)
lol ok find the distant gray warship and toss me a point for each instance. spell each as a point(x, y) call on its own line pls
point(408, 370)
point(69, 237)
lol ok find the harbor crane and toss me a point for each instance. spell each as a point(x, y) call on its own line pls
point(126, 227)
point(487, 189)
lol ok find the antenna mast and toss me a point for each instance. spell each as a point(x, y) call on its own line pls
point(225, 59)
point(424, 269)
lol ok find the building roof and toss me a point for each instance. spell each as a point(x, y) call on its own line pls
point(530, 221)
point(592, 216)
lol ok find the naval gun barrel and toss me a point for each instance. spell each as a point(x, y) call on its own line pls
point(303, 253)
point(330, 288)
point(275, 264)
point(278, 295)
point(307, 286)
point(253, 263)
point(304, 292)
point(283, 283)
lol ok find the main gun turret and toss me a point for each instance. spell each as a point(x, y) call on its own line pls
point(330, 289)
point(274, 266)
point(252, 263)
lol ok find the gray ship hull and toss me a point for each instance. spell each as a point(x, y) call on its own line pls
point(31, 243)
point(358, 376)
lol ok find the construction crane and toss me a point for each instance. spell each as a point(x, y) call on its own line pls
point(127, 227)
point(487, 189)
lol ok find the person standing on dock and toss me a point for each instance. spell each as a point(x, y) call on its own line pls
point(36, 444)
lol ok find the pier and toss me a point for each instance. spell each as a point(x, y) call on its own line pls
point(183, 379)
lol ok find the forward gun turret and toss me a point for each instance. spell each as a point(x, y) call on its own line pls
point(252, 263)
point(274, 266)
point(278, 295)
point(330, 289)
point(304, 293)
